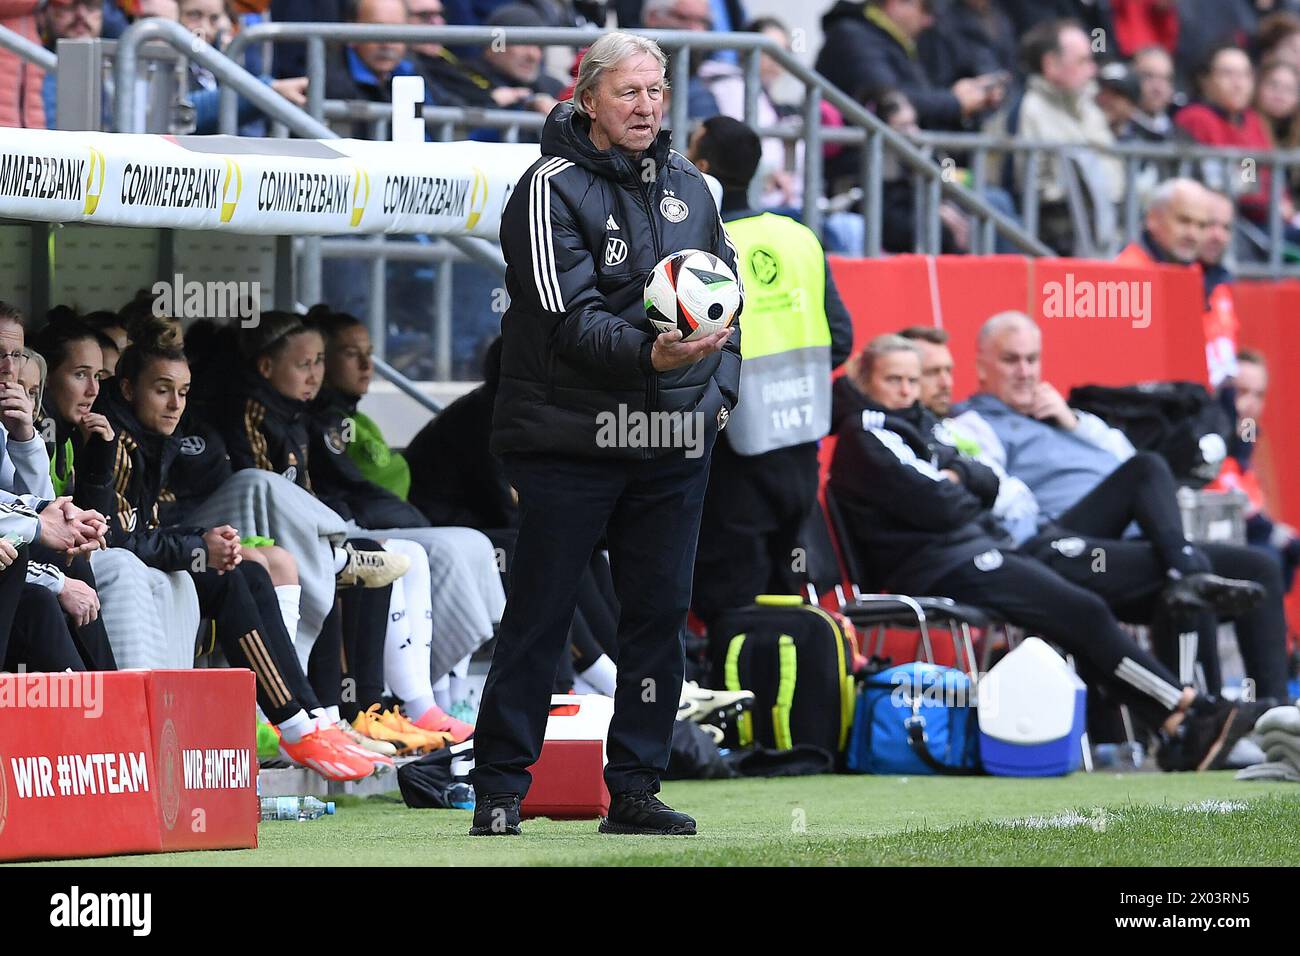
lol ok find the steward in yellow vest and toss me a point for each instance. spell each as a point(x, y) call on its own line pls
point(763, 477)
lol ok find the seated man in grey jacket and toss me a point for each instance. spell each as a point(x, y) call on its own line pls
point(1087, 487)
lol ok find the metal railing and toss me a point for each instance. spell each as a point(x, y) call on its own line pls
point(679, 44)
point(19, 45)
point(986, 151)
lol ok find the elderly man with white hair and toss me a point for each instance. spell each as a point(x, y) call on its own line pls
point(1087, 488)
point(583, 228)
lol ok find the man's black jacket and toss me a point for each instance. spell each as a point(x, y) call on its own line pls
point(910, 523)
point(580, 233)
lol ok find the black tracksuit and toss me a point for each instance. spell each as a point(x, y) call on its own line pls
point(249, 627)
point(580, 233)
point(916, 531)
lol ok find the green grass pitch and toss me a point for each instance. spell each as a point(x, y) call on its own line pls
point(1136, 819)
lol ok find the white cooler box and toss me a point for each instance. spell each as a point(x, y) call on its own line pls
point(1031, 714)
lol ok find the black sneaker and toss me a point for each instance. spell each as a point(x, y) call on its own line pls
point(640, 811)
point(1207, 735)
point(1203, 591)
point(496, 814)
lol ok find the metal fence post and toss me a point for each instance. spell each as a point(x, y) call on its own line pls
point(873, 195)
point(812, 159)
point(442, 299)
point(678, 108)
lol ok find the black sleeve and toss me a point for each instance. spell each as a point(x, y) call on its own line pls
point(981, 480)
point(841, 323)
point(557, 277)
point(338, 481)
point(876, 466)
point(93, 488)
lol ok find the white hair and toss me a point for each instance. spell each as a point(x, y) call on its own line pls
point(606, 53)
point(1163, 195)
point(994, 325)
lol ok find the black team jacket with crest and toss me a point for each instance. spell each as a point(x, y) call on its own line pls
point(580, 233)
point(910, 525)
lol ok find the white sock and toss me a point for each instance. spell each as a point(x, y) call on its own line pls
point(340, 560)
point(459, 686)
point(289, 597)
point(602, 675)
point(409, 636)
point(442, 691)
point(296, 727)
point(417, 707)
point(326, 717)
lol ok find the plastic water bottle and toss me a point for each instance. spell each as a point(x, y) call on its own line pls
point(294, 808)
point(461, 796)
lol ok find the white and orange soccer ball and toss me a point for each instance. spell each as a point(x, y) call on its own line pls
point(693, 291)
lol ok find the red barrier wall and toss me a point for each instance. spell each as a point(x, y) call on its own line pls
point(94, 764)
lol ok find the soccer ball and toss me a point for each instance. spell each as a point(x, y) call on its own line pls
point(693, 291)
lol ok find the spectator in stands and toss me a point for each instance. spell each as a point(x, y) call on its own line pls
point(780, 182)
point(1278, 38)
point(365, 71)
point(1175, 225)
point(1027, 14)
point(1155, 71)
point(919, 517)
point(510, 75)
point(685, 15)
point(291, 58)
point(1087, 477)
point(208, 21)
point(1277, 99)
point(871, 46)
point(898, 191)
point(20, 81)
point(1118, 92)
point(1220, 320)
point(1223, 117)
point(70, 20)
point(1060, 107)
point(446, 81)
point(1144, 23)
point(1275, 537)
point(974, 38)
point(763, 477)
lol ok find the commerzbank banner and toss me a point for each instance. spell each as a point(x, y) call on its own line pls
point(268, 186)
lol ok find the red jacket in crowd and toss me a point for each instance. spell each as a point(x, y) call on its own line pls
point(20, 81)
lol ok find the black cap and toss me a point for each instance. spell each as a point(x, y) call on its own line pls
point(1118, 78)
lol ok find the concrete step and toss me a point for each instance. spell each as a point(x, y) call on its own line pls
point(301, 782)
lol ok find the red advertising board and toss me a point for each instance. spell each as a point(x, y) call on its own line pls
point(76, 778)
point(203, 730)
point(95, 764)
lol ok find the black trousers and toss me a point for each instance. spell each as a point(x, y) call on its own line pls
point(33, 631)
point(754, 511)
point(252, 635)
point(650, 513)
point(92, 639)
point(1085, 548)
point(1023, 592)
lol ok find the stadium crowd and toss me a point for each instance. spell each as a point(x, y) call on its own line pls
point(156, 507)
